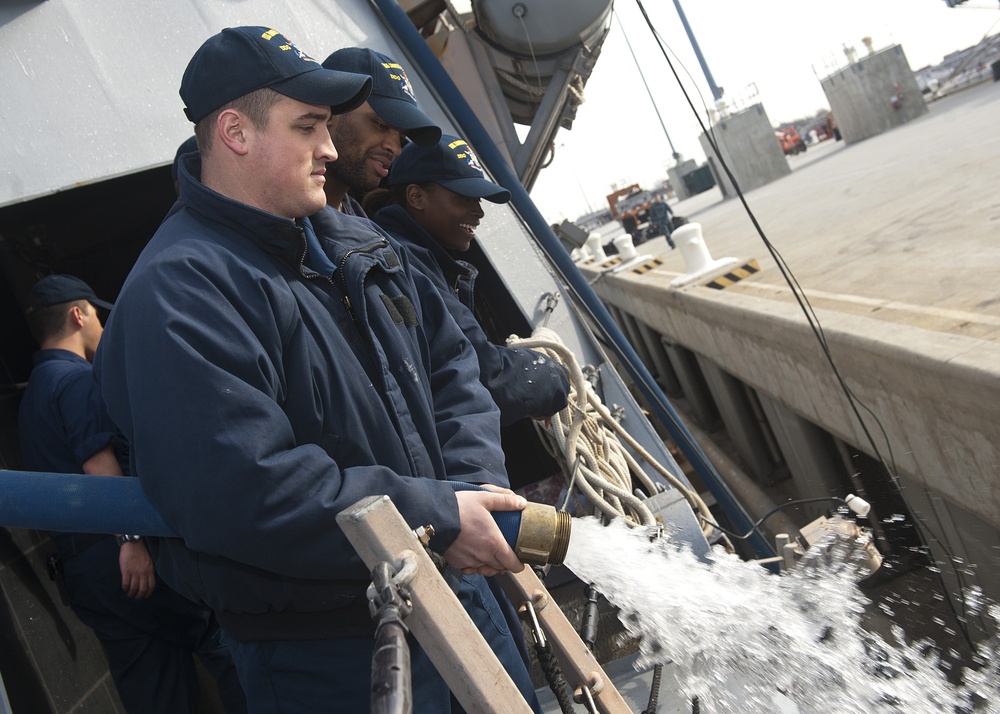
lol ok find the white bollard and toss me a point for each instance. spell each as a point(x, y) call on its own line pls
point(692, 247)
point(595, 247)
point(696, 256)
point(626, 249)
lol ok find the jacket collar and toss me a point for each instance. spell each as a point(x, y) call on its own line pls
point(338, 234)
point(401, 224)
point(274, 234)
point(56, 354)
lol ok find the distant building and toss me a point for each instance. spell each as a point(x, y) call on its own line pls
point(960, 69)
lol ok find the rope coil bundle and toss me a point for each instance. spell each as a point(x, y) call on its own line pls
point(590, 445)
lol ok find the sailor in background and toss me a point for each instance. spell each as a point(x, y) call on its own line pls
point(371, 136)
point(435, 194)
point(148, 631)
point(661, 216)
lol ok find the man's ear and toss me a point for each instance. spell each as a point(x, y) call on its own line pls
point(232, 129)
point(416, 197)
point(74, 317)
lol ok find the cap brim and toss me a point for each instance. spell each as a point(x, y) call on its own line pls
point(417, 126)
point(102, 304)
point(341, 91)
point(477, 188)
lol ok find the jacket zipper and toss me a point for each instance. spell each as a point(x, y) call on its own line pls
point(354, 318)
point(340, 268)
point(343, 274)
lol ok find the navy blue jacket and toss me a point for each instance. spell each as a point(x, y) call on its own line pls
point(62, 421)
point(522, 382)
point(261, 398)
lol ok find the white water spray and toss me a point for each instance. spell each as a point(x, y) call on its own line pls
point(738, 635)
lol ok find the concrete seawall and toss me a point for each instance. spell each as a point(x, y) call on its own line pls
point(935, 395)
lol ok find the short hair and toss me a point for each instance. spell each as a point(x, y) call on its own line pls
point(255, 106)
point(50, 321)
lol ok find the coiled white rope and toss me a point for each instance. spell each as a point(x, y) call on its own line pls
point(588, 442)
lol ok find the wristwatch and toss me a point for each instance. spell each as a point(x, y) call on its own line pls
point(125, 538)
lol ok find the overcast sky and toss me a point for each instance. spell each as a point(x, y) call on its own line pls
point(780, 48)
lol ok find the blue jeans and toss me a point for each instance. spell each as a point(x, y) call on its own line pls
point(494, 617)
point(150, 642)
point(326, 676)
point(321, 676)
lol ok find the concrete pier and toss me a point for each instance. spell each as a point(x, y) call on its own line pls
point(894, 241)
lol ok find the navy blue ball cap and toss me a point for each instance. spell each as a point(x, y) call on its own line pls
point(450, 163)
point(56, 289)
point(392, 95)
point(240, 60)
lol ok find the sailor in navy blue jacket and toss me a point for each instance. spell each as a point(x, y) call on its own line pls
point(267, 378)
point(449, 184)
point(243, 378)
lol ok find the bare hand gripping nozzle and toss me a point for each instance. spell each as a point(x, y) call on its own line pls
point(539, 534)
